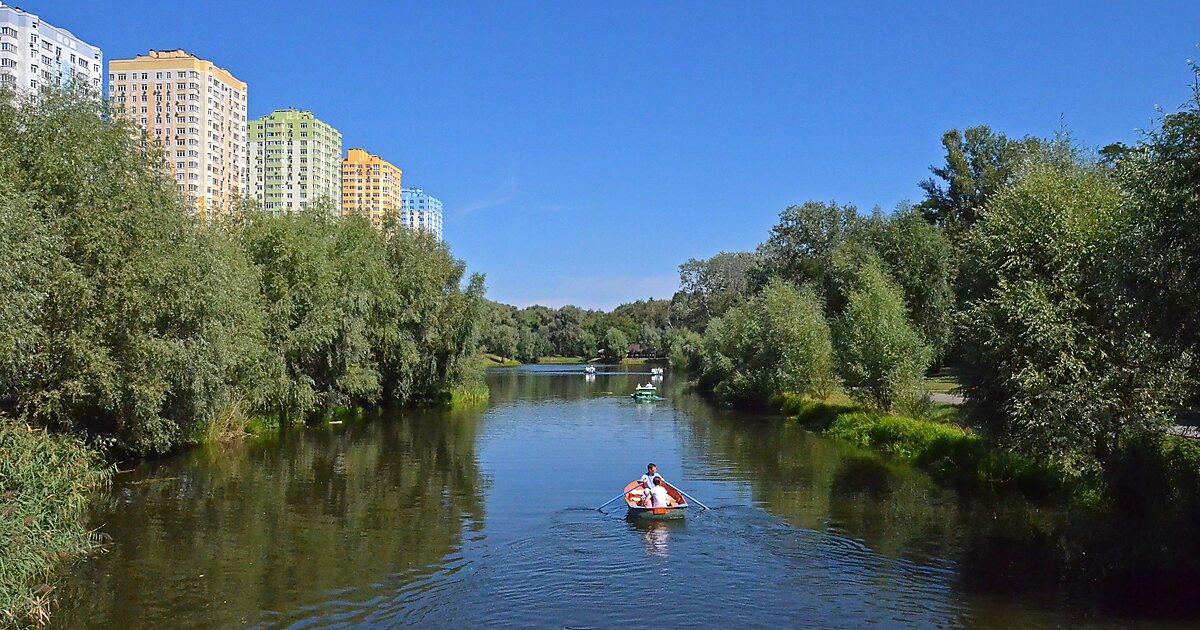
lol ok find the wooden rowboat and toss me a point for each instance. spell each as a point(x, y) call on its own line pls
point(633, 498)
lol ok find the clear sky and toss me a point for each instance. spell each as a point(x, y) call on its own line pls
point(584, 150)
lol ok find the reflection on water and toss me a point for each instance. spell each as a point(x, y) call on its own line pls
point(656, 535)
point(246, 533)
point(487, 518)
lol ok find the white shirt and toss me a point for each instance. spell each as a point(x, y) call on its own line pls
point(647, 480)
point(659, 496)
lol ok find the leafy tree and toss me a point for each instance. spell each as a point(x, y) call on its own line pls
point(500, 335)
point(684, 349)
point(800, 245)
point(708, 288)
point(615, 343)
point(31, 252)
point(433, 324)
point(565, 331)
point(1161, 244)
point(880, 357)
point(979, 162)
point(922, 262)
point(1061, 369)
point(148, 328)
point(656, 313)
point(779, 341)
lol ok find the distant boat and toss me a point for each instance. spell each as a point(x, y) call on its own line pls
point(591, 369)
point(633, 498)
point(656, 371)
point(645, 392)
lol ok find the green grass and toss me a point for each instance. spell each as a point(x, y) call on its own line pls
point(45, 483)
point(560, 360)
point(935, 443)
point(946, 382)
point(494, 360)
point(818, 414)
point(470, 394)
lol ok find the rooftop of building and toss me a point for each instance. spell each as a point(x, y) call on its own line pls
point(35, 16)
point(176, 53)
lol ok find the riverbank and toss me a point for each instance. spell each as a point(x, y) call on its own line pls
point(937, 444)
point(1132, 521)
point(492, 360)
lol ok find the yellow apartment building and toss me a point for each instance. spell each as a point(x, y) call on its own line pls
point(196, 112)
point(370, 186)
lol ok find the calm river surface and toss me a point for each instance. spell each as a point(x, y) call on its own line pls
point(484, 517)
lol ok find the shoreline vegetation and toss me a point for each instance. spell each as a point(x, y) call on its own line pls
point(130, 327)
point(1056, 283)
point(489, 360)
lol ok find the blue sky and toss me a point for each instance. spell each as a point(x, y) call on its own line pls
point(584, 150)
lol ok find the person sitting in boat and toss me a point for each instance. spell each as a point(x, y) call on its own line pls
point(647, 479)
point(658, 494)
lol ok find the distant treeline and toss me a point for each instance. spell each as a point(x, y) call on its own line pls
point(126, 319)
point(530, 333)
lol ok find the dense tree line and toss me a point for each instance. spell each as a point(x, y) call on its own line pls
point(124, 317)
point(530, 333)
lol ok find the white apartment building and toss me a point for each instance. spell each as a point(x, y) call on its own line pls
point(196, 112)
point(34, 54)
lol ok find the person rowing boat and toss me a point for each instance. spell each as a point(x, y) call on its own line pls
point(647, 479)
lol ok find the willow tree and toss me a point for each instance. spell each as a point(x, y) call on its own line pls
point(143, 326)
point(1060, 367)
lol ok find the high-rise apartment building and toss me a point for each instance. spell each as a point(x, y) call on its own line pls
point(295, 159)
point(196, 112)
point(34, 54)
point(421, 212)
point(370, 186)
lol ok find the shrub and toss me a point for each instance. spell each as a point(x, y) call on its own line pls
point(880, 357)
point(777, 342)
point(817, 414)
point(45, 481)
point(1061, 370)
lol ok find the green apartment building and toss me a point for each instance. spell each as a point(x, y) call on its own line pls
point(295, 160)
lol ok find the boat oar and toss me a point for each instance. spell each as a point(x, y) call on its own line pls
point(601, 508)
point(691, 498)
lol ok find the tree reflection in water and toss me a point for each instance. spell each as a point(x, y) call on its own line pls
point(247, 528)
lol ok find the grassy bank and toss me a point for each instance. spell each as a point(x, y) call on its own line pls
point(949, 452)
point(560, 360)
point(488, 360)
point(45, 481)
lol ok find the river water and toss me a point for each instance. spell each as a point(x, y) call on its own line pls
point(486, 517)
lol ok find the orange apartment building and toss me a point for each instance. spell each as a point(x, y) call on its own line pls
point(370, 186)
point(196, 112)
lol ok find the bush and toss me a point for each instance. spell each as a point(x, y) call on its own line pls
point(880, 357)
point(817, 414)
point(777, 342)
point(44, 486)
point(1061, 370)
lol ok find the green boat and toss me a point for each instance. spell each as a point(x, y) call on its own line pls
point(645, 392)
